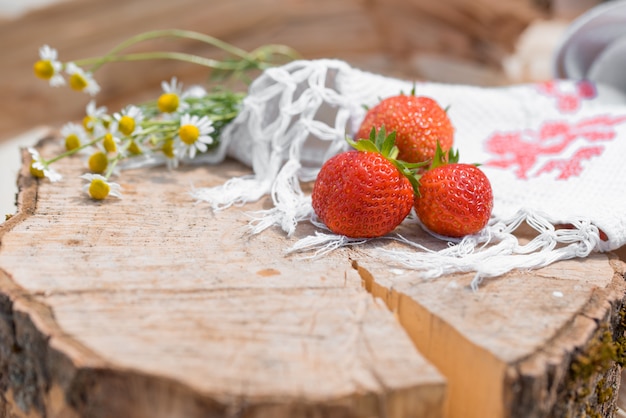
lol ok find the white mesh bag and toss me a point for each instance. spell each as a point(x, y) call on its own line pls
point(553, 152)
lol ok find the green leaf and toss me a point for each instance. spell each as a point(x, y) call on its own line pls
point(410, 173)
point(413, 166)
point(443, 158)
point(388, 143)
point(362, 145)
point(379, 137)
point(385, 144)
point(453, 156)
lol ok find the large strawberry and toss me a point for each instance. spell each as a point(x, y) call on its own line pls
point(419, 123)
point(365, 192)
point(454, 199)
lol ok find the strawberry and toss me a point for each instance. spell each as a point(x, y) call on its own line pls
point(365, 192)
point(454, 199)
point(419, 123)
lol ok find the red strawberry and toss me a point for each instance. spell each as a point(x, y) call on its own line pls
point(366, 192)
point(454, 199)
point(419, 123)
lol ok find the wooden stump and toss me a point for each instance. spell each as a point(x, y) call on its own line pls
point(153, 306)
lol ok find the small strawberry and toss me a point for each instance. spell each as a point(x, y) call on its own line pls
point(366, 192)
point(454, 199)
point(419, 123)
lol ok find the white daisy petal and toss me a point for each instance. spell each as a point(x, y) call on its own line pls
point(48, 57)
point(133, 112)
point(114, 188)
point(201, 146)
point(52, 175)
point(39, 164)
point(190, 145)
point(87, 82)
point(47, 53)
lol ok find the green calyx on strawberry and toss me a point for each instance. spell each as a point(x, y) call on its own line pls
point(366, 192)
point(379, 141)
point(454, 199)
point(442, 157)
point(419, 122)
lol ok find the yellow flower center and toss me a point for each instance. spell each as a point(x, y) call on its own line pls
point(189, 134)
point(98, 162)
point(168, 102)
point(35, 172)
point(133, 148)
point(88, 123)
point(43, 69)
point(77, 82)
point(72, 142)
point(127, 125)
point(99, 189)
point(168, 148)
point(109, 143)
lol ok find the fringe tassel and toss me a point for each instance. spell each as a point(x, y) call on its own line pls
point(292, 120)
point(323, 243)
point(236, 191)
point(291, 206)
point(496, 251)
point(493, 252)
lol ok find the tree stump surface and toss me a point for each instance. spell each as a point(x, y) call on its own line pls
point(154, 306)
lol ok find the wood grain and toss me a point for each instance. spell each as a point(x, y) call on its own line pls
point(508, 349)
point(178, 313)
point(168, 309)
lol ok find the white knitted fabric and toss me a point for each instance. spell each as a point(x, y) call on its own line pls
point(553, 153)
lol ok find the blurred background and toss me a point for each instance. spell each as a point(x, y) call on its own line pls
point(480, 42)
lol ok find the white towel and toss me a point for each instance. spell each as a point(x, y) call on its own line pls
point(553, 152)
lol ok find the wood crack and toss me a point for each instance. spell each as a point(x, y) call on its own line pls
point(537, 384)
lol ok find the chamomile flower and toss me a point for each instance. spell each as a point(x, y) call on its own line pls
point(49, 67)
point(134, 148)
point(74, 135)
point(39, 168)
point(129, 120)
point(111, 142)
point(94, 116)
point(171, 155)
point(98, 162)
point(173, 98)
point(193, 134)
point(81, 80)
point(99, 188)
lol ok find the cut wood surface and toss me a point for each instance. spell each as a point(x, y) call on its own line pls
point(152, 305)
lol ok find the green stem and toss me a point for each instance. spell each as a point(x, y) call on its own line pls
point(172, 33)
point(72, 151)
point(158, 123)
point(111, 166)
point(277, 49)
point(143, 56)
point(227, 116)
point(156, 129)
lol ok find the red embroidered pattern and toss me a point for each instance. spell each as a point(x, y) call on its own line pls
point(531, 153)
point(569, 96)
